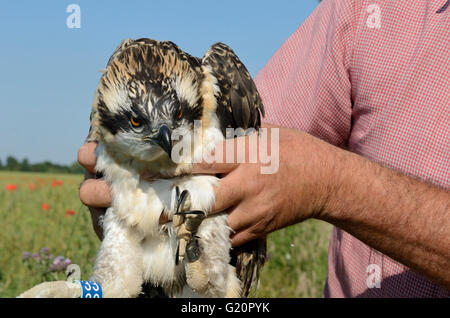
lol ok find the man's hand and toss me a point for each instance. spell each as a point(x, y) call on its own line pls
point(402, 217)
point(259, 204)
point(94, 193)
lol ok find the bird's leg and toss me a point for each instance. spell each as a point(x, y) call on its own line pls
point(187, 222)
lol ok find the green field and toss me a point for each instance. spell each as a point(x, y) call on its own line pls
point(43, 210)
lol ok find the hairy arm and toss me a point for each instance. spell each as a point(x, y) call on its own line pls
point(397, 215)
point(402, 217)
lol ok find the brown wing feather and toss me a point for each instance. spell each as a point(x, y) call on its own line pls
point(238, 106)
point(248, 260)
point(238, 102)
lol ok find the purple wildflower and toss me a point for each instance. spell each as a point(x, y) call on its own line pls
point(58, 260)
point(25, 255)
point(36, 257)
point(44, 250)
point(67, 262)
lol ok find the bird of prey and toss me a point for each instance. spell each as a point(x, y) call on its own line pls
point(150, 92)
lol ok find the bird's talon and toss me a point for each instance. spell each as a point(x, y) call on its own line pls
point(177, 254)
point(183, 200)
point(193, 251)
point(186, 222)
point(194, 212)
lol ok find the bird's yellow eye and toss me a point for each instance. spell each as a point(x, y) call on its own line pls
point(136, 123)
point(180, 114)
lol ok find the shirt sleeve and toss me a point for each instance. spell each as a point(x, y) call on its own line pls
point(306, 84)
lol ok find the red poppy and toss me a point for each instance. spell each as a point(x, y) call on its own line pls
point(70, 212)
point(57, 183)
point(11, 187)
point(45, 206)
point(31, 186)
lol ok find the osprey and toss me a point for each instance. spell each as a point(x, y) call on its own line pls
point(150, 93)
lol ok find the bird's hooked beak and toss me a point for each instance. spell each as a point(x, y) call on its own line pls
point(164, 140)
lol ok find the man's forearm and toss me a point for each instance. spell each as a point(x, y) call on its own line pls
point(399, 216)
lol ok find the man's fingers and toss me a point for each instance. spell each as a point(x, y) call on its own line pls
point(213, 168)
point(240, 218)
point(86, 156)
point(223, 159)
point(95, 193)
point(243, 226)
point(241, 238)
point(237, 219)
point(228, 193)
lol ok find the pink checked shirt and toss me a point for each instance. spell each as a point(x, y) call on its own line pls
point(372, 77)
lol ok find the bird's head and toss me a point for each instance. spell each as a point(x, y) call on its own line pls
point(148, 93)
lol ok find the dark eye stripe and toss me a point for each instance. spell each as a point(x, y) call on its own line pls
point(115, 122)
point(120, 121)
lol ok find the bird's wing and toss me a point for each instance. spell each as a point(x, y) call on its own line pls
point(238, 106)
point(248, 260)
point(238, 100)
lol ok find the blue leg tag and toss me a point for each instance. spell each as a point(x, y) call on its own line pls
point(90, 289)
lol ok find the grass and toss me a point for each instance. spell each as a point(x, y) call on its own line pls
point(297, 265)
point(296, 268)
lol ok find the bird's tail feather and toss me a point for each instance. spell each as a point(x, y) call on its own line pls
point(248, 260)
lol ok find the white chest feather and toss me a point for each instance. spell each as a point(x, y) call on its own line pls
point(138, 205)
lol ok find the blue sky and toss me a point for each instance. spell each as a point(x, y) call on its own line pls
point(48, 72)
